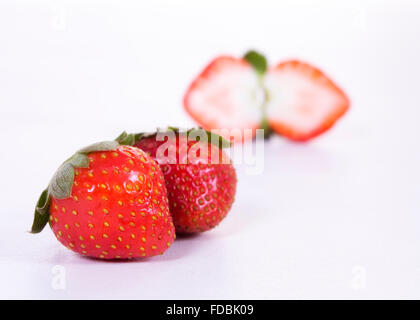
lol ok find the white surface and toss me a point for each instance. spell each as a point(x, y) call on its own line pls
point(335, 218)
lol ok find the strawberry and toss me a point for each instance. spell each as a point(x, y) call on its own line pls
point(293, 99)
point(303, 102)
point(225, 95)
point(200, 191)
point(108, 201)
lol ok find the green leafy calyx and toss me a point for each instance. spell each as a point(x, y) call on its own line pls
point(41, 212)
point(213, 138)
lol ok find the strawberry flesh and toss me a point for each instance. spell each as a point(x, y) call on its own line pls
point(302, 101)
point(226, 95)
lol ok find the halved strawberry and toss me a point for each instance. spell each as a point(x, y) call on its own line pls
point(302, 101)
point(226, 95)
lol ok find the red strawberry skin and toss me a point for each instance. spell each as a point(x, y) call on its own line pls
point(226, 95)
point(303, 102)
point(118, 208)
point(200, 195)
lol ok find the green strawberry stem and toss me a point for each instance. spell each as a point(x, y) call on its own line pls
point(264, 122)
point(259, 62)
point(126, 139)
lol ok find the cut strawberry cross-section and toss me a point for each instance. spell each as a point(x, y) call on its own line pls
point(226, 95)
point(302, 102)
point(293, 99)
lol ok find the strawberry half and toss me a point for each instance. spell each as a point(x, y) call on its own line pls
point(293, 99)
point(302, 101)
point(108, 201)
point(225, 95)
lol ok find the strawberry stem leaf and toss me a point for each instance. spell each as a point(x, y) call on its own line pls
point(79, 160)
point(122, 136)
point(126, 139)
point(213, 138)
point(41, 212)
point(218, 140)
point(100, 146)
point(62, 181)
point(257, 60)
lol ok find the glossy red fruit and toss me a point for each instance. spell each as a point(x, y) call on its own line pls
point(117, 208)
point(200, 193)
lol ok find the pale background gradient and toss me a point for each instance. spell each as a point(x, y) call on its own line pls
point(335, 218)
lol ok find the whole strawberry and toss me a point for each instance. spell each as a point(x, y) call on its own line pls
point(201, 185)
point(108, 201)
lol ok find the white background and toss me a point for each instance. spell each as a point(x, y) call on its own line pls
point(334, 218)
